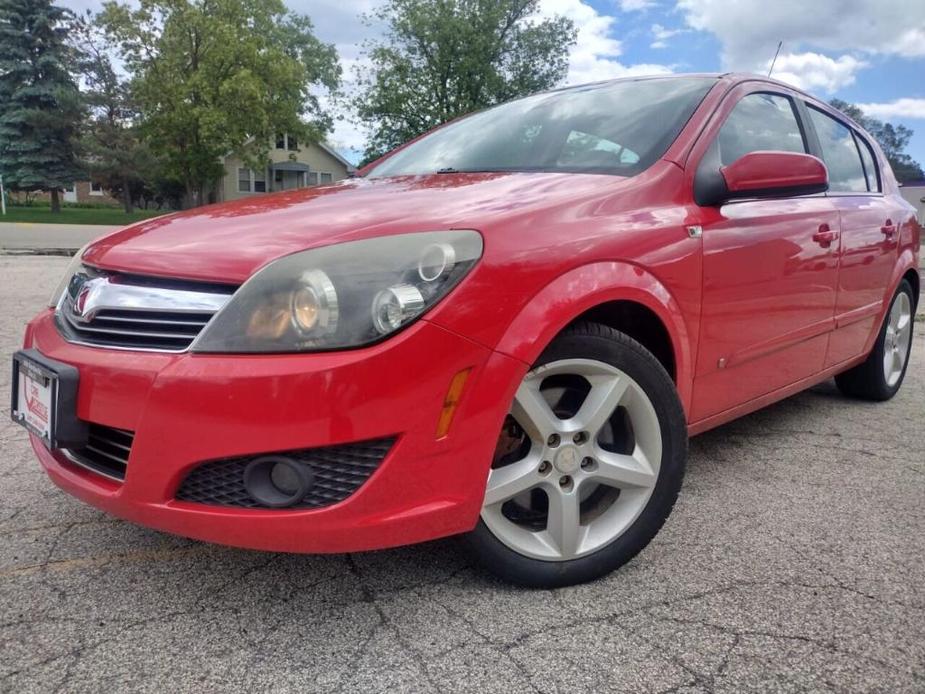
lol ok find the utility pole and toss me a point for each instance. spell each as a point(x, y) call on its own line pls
point(2, 197)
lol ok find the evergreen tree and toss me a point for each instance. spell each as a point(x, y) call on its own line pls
point(39, 102)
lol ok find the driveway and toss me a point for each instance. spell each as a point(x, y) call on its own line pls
point(794, 561)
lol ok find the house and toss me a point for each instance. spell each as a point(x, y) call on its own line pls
point(89, 192)
point(83, 192)
point(292, 165)
point(914, 193)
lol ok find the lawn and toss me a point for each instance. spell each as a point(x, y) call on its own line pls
point(114, 216)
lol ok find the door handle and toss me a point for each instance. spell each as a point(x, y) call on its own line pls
point(888, 229)
point(825, 236)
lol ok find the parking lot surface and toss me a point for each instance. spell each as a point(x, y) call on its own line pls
point(794, 561)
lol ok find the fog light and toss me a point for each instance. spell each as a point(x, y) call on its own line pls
point(277, 482)
point(394, 306)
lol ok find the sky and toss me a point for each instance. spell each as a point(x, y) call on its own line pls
point(868, 52)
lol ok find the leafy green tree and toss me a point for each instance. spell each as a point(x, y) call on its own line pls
point(441, 59)
point(212, 77)
point(115, 155)
point(39, 103)
point(893, 141)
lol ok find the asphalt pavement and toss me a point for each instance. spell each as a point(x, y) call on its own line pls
point(45, 238)
point(794, 561)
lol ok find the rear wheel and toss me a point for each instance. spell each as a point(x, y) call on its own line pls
point(588, 465)
point(881, 374)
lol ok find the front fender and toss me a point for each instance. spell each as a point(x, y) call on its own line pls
point(583, 288)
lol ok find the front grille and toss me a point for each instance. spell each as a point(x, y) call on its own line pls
point(133, 312)
point(106, 452)
point(162, 330)
point(338, 470)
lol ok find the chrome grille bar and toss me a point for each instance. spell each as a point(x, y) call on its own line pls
point(126, 312)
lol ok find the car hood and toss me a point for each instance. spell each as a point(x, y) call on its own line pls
point(229, 242)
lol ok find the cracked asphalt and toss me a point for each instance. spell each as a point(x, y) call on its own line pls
point(794, 561)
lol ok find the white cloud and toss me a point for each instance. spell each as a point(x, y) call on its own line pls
point(899, 108)
point(750, 29)
point(660, 35)
point(811, 71)
point(595, 55)
point(636, 5)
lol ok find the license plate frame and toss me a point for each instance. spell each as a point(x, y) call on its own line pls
point(52, 389)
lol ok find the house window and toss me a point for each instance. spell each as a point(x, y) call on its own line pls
point(280, 142)
point(244, 180)
point(327, 178)
point(260, 182)
point(312, 178)
point(292, 144)
point(96, 188)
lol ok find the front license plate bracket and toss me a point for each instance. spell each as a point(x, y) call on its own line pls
point(66, 430)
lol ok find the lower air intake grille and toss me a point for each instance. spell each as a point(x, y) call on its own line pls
point(338, 471)
point(106, 452)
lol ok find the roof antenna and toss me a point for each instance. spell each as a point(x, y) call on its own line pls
point(776, 53)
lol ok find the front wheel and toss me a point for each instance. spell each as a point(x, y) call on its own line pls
point(589, 462)
point(881, 374)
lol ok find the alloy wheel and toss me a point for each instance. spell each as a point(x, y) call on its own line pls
point(577, 463)
point(897, 339)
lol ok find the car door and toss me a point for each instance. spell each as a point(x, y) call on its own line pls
point(869, 233)
point(769, 265)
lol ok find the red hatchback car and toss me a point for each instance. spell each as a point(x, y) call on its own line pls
point(507, 328)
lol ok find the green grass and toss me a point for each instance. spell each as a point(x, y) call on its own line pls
point(77, 215)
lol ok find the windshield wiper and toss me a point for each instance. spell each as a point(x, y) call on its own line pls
point(447, 170)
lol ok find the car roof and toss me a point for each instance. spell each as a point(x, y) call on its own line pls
point(729, 79)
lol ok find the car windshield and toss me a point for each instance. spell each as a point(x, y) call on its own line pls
point(618, 128)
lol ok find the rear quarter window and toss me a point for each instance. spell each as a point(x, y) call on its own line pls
point(870, 165)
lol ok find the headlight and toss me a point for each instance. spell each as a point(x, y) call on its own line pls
point(72, 268)
point(345, 295)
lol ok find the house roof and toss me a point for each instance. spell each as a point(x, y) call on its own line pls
point(321, 145)
point(334, 153)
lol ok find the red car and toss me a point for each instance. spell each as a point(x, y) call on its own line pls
point(507, 328)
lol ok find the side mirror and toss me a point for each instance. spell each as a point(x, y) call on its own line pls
point(761, 175)
point(774, 174)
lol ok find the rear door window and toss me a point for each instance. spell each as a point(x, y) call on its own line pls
point(840, 152)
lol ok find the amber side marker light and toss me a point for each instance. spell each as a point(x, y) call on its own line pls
point(451, 402)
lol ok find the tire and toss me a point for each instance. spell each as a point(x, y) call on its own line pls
point(631, 465)
point(876, 378)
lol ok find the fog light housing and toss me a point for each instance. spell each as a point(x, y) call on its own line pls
point(277, 481)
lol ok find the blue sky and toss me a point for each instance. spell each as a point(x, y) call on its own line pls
point(869, 52)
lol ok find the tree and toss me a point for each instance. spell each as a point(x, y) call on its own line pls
point(39, 104)
point(441, 59)
point(213, 77)
point(893, 141)
point(115, 154)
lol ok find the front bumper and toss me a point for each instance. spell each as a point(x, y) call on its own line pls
point(186, 409)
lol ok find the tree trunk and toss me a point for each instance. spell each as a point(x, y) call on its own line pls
point(55, 201)
point(126, 197)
